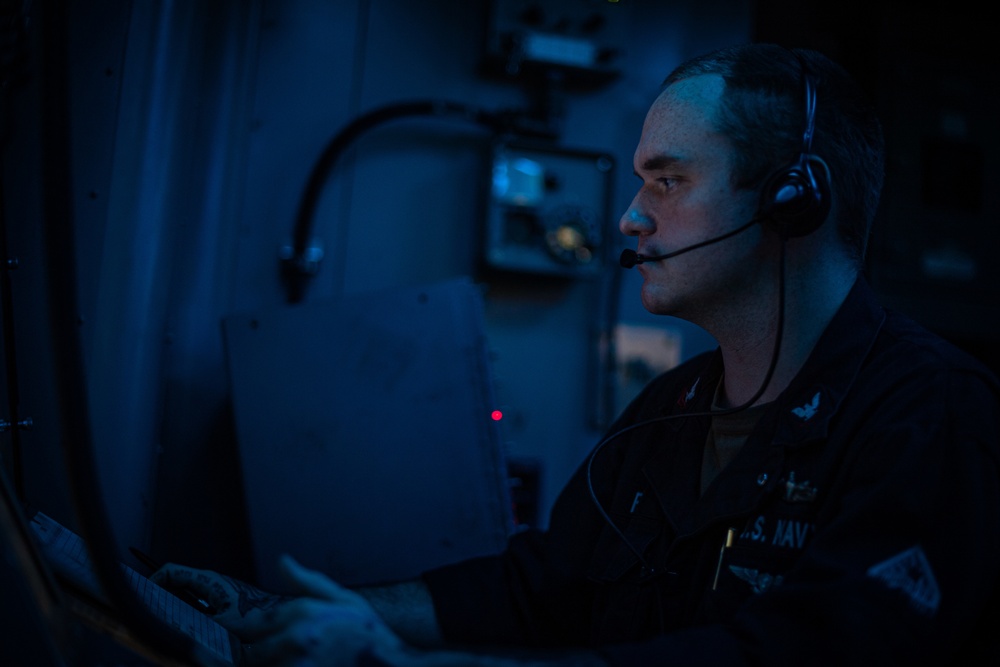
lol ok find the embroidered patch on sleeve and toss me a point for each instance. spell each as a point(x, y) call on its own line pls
point(910, 572)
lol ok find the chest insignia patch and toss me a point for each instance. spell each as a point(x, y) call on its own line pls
point(809, 410)
point(798, 492)
point(759, 581)
point(910, 572)
point(688, 395)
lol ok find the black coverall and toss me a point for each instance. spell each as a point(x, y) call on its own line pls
point(864, 510)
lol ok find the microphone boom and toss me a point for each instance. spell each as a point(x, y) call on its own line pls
point(630, 258)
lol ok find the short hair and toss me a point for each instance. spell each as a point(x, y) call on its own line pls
point(763, 115)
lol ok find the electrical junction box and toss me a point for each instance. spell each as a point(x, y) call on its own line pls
point(548, 210)
point(580, 39)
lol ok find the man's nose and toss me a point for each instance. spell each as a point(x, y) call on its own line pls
point(633, 222)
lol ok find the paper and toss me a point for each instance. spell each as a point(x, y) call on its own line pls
point(67, 553)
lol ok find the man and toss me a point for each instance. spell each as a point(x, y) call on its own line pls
point(822, 489)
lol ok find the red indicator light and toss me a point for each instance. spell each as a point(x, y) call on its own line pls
point(496, 415)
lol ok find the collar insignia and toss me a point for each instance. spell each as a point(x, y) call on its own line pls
point(685, 397)
point(809, 410)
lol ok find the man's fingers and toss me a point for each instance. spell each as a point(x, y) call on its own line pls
point(172, 575)
point(203, 584)
point(304, 581)
point(269, 649)
point(312, 630)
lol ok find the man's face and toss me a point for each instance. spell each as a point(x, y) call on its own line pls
point(687, 197)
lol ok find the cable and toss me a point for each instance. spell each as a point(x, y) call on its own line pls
point(299, 265)
point(779, 334)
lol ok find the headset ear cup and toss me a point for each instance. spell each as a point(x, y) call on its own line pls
point(794, 202)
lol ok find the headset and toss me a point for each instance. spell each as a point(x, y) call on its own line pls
point(793, 200)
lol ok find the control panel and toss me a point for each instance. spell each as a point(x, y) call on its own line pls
point(547, 210)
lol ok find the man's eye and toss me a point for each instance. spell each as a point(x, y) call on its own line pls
point(667, 182)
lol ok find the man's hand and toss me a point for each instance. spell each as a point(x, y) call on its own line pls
point(239, 606)
point(327, 626)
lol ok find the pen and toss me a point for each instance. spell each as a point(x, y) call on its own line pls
point(184, 594)
point(722, 552)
